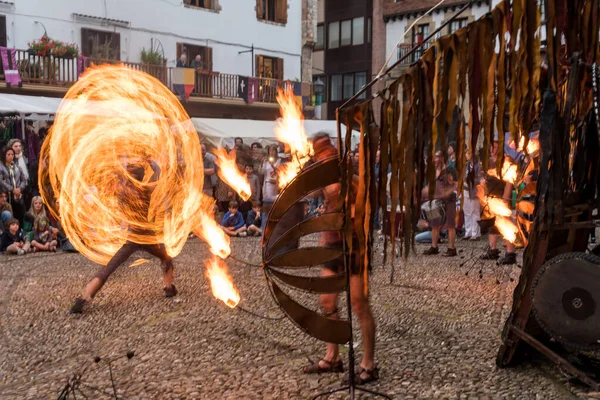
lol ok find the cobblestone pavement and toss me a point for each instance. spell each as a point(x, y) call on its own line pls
point(438, 330)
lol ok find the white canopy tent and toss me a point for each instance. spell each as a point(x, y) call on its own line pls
point(221, 132)
point(217, 132)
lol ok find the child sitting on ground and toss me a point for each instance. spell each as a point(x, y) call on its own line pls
point(233, 221)
point(254, 220)
point(42, 235)
point(13, 240)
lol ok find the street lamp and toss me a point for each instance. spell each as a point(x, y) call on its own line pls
point(319, 88)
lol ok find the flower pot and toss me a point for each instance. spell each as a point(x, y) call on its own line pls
point(31, 52)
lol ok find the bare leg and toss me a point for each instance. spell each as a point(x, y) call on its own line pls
point(451, 238)
point(362, 309)
point(493, 241)
point(254, 229)
point(435, 236)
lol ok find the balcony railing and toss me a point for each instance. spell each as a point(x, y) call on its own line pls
point(404, 49)
point(63, 72)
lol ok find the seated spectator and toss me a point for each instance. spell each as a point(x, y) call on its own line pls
point(13, 241)
point(233, 221)
point(5, 208)
point(36, 210)
point(43, 239)
point(254, 220)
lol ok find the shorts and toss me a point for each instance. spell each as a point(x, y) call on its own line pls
point(337, 265)
point(450, 220)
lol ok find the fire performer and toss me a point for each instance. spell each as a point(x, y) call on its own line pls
point(332, 362)
point(136, 197)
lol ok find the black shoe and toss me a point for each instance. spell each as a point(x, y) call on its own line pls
point(77, 307)
point(431, 251)
point(508, 259)
point(170, 291)
point(449, 253)
point(491, 254)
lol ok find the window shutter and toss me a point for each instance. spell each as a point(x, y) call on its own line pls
point(3, 38)
point(257, 65)
point(117, 45)
point(208, 59)
point(259, 9)
point(281, 11)
point(279, 69)
point(208, 4)
point(179, 50)
point(86, 48)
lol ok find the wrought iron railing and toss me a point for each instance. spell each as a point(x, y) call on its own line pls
point(64, 71)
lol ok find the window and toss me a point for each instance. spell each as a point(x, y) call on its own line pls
point(191, 51)
point(336, 87)
point(210, 4)
point(3, 31)
point(419, 34)
point(100, 44)
point(334, 35)
point(350, 32)
point(345, 86)
point(320, 45)
point(272, 10)
point(358, 31)
point(269, 67)
point(346, 34)
point(360, 80)
point(457, 24)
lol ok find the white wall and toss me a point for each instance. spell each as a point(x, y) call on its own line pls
point(233, 29)
point(394, 30)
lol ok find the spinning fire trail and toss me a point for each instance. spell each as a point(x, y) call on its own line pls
point(111, 118)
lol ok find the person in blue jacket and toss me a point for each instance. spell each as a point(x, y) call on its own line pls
point(233, 222)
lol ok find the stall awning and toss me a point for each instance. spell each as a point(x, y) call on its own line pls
point(221, 132)
point(20, 104)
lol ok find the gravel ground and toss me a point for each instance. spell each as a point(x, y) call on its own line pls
point(438, 330)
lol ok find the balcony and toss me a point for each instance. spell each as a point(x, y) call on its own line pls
point(404, 49)
point(60, 73)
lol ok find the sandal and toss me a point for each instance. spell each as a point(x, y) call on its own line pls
point(315, 368)
point(370, 375)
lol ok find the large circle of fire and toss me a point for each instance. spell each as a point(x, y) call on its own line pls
point(112, 118)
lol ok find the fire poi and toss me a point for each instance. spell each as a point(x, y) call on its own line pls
point(122, 169)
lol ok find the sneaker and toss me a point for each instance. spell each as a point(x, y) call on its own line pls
point(449, 253)
point(257, 234)
point(20, 252)
point(77, 307)
point(491, 254)
point(431, 251)
point(466, 238)
point(170, 291)
point(475, 238)
point(242, 234)
point(508, 259)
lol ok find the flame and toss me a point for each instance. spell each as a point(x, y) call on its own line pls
point(532, 146)
point(290, 130)
point(137, 262)
point(231, 175)
point(211, 233)
point(509, 172)
point(498, 207)
point(221, 283)
point(110, 119)
point(507, 228)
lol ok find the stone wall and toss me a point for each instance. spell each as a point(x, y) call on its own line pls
point(309, 37)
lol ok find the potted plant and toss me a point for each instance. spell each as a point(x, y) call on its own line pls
point(42, 47)
point(151, 57)
point(65, 50)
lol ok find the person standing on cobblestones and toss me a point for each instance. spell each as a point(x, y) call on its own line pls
point(332, 362)
point(142, 196)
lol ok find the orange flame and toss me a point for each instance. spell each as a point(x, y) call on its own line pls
point(211, 233)
point(221, 283)
point(290, 130)
point(509, 172)
point(507, 228)
point(111, 119)
point(532, 146)
point(231, 175)
point(498, 207)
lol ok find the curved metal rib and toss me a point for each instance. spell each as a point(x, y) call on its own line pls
point(305, 257)
point(314, 284)
point(325, 329)
point(325, 222)
point(317, 176)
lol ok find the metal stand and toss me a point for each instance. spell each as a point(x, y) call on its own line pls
point(351, 386)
